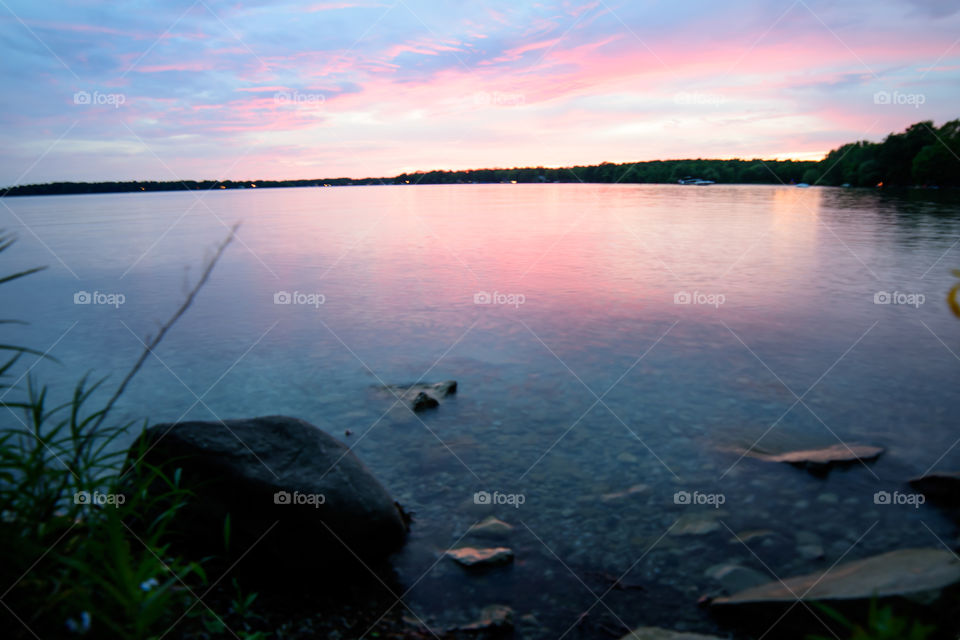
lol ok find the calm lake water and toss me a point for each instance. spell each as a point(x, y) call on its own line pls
point(582, 378)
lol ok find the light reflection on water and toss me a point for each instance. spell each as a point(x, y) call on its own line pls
point(596, 383)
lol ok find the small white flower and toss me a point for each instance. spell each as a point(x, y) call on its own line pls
point(146, 585)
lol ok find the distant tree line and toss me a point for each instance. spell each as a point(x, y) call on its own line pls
point(923, 155)
point(655, 171)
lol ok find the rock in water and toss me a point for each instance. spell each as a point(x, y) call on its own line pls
point(421, 395)
point(904, 573)
point(422, 401)
point(494, 617)
point(654, 633)
point(823, 459)
point(734, 578)
point(490, 527)
point(280, 475)
point(477, 557)
point(940, 486)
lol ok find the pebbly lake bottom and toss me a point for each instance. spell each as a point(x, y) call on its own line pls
point(623, 513)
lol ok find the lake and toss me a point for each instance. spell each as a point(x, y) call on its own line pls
point(614, 345)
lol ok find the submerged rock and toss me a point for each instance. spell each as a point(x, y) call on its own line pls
point(481, 557)
point(822, 459)
point(912, 573)
point(751, 536)
point(493, 617)
point(422, 401)
point(939, 486)
point(637, 488)
point(421, 395)
point(734, 578)
point(296, 496)
point(656, 633)
point(490, 527)
point(696, 524)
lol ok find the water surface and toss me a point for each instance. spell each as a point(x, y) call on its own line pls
point(599, 381)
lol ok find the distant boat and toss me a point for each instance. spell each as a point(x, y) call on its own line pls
point(695, 181)
point(803, 185)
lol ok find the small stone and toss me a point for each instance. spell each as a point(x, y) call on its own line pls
point(751, 536)
point(734, 578)
point(494, 616)
point(637, 488)
point(695, 525)
point(477, 557)
point(490, 527)
point(811, 551)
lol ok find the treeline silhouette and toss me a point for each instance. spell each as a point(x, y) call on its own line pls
point(923, 155)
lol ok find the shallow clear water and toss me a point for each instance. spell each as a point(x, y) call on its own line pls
point(597, 382)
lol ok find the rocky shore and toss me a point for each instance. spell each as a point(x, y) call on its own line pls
point(310, 526)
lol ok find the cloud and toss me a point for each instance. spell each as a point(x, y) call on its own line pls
point(425, 84)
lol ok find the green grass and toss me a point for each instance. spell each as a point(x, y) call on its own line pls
point(882, 623)
point(83, 545)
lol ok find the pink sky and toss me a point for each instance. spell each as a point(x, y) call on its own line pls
point(275, 90)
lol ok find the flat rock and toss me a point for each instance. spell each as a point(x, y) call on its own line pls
point(490, 527)
point(695, 524)
point(656, 633)
point(939, 486)
point(734, 578)
point(751, 536)
point(635, 489)
point(481, 557)
point(906, 572)
point(276, 474)
point(823, 458)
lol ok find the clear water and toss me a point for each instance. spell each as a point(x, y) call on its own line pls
point(681, 387)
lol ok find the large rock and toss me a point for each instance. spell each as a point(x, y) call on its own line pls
point(908, 573)
point(940, 486)
point(280, 475)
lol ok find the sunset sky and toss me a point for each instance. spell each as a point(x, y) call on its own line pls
point(238, 89)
